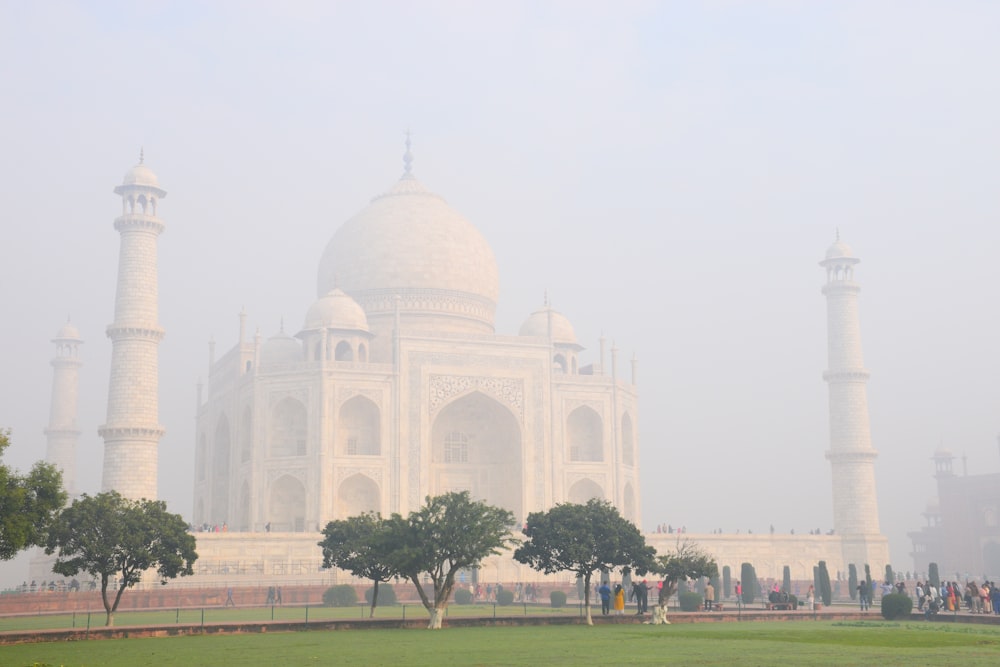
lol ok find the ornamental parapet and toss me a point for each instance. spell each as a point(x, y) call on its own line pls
point(72, 432)
point(854, 375)
point(841, 287)
point(110, 432)
point(852, 456)
point(133, 221)
point(384, 301)
point(122, 331)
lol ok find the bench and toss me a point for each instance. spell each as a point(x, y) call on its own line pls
point(775, 606)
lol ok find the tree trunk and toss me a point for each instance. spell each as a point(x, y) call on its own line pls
point(436, 617)
point(371, 612)
point(586, 598)
point(660, 615)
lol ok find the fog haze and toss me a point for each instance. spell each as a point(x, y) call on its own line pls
point(670, 173)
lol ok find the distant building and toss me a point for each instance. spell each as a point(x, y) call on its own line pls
point(962, 531)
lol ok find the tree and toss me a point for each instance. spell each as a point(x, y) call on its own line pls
point(451, 532)
point(786, 579)
point(933, 577)
point(583, 539)
point(686, 561)
point(852, 581)
point(824, 584)
point(118, 539)
point(28, 503)
point(890, 576)
point(727, 581)
point(361, 545)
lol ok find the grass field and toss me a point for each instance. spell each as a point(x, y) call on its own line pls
point(260, 614)
point(799, 643)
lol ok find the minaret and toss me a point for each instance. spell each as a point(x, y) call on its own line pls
point(852, 458)
point(62, 433)
point(132, 432)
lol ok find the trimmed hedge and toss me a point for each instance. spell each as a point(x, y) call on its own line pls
point(386, 594)
point(557, 599)
point(896, 605)
point(463, 596)
point(689, 600)
point(342, 595)
point(505, 598)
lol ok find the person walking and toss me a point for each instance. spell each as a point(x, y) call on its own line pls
point(619, 600)
point(605, 592)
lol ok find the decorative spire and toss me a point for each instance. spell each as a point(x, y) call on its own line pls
point(545, 299)
point(838, 233)
point(141, 154)
point(407, 159)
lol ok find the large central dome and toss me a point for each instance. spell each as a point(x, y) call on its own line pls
point(409, 243)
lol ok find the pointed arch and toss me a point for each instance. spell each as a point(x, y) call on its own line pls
point(585, 435)
point(359, 428)
point(628, 503)
point(362, 353)
point(559, 364)
point(343, 352)
point(288, 428)
point(357, 494)
point(583, 490)
point(221, 448)
point(628, 440)
point(242, 521)
point(246, 434)
point(477, 447)
point(286, 508)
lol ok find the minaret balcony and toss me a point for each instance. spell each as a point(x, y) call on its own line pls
point(850, 375)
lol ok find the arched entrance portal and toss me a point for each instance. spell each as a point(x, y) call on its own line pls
point(477, 448)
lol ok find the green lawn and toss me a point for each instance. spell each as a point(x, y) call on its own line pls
point(754, 643)
point(255, 614)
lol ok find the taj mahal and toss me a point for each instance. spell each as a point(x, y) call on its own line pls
point(395, 385)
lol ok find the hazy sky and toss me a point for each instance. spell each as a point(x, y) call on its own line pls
point(670, 172)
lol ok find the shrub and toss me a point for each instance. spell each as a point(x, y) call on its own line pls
point(749, 582)
point(824, 584)
point(557, 599)
point(463, 596)
point(933, 576)
point(794, 600)
point(727, 581)
point(342, 595)
point(896, 605)
point(505, 598)
point(890, 576)
point(852, 581)
point(690, 601)
point(786, 579)
point(386, 594)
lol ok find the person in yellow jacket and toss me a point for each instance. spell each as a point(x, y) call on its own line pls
point(619, 600)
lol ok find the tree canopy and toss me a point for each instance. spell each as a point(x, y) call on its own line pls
point(686, 561)
point(583, 539)
point(28, 503)
point(451, 532)
point(117, 540)
point(360, 545)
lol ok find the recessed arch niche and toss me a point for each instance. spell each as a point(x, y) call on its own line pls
point(358, 428)
point(583, 490)
point(357, 494)
point(219, 482)
point(585, 435)
point(476, 447)
point(287, 505)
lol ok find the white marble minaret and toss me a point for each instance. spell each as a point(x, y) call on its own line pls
point(62, 433)
point(132, 432)
point(851, 455)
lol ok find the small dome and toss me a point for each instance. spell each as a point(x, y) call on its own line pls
point(336, 310)
point(280, 349)
point(839, 250)
point(140, 174)
point(68, 332)
point(537, 325)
